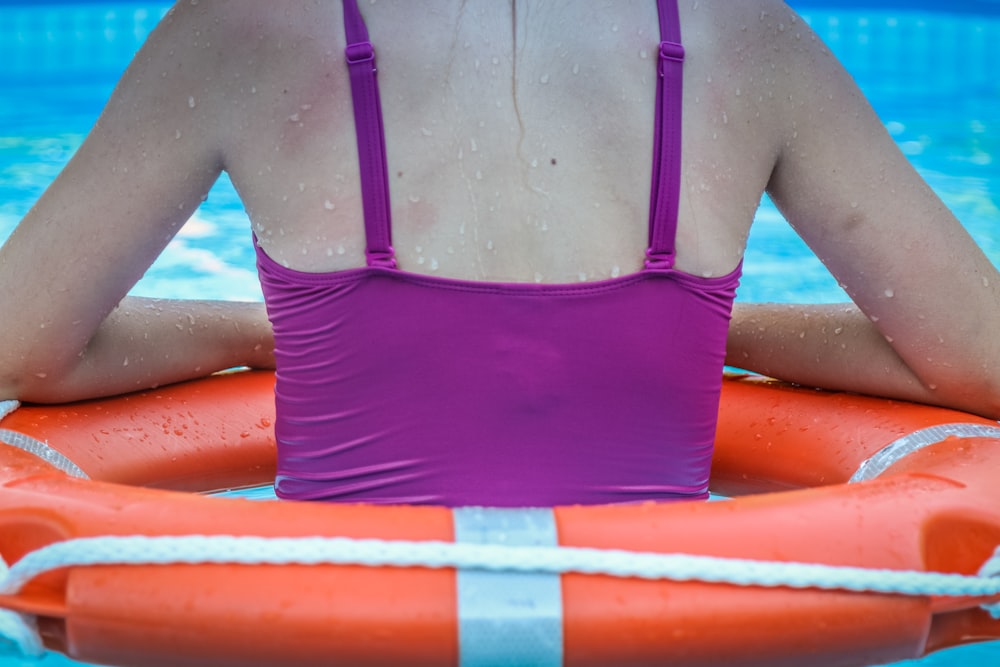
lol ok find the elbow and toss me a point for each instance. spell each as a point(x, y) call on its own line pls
point(988, 402)
point(28, 390)
point(45, 384)
point(975, 394)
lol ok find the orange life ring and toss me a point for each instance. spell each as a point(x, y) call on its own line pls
point(787, 452)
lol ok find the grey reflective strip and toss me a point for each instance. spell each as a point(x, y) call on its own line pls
point(7, 407)
point(908, 444)
point(42, 451)
point(507, 618)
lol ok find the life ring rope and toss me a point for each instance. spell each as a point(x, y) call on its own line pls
point(244, 550)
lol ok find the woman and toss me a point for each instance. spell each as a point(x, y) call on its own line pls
point(519, 139)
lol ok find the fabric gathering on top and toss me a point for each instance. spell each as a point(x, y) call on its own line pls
point(395, 387)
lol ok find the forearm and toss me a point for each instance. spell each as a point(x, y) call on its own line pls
point(831, 346)
point(146, 343)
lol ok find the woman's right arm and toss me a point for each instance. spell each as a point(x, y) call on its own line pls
point(142, 171)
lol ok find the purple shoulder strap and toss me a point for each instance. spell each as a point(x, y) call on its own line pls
point(665, 191)
point(371, 139)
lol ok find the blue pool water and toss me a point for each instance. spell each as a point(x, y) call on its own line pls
point(931, 77)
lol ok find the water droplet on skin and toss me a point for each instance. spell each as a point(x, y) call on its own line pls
point(191, 102)
point(544, 79)
point(177, 134)
point(294, 118)
point(538, 277)
point(643, 53)
point(582, 276)
point(479, 175)
point(838, 330)
point(576, 68)
point(473, 146)
point(253, 90)
point(434, 264)
point(489, 245)
point(302, 187)
point(413, 199)
point(986, 281)
point(854, 204)
point(328, 205)
point(424, 131)
point(421, 260)
point(889, 293)
point(341, 249)
point(615, 271)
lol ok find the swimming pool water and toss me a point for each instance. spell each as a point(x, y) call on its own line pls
point(930, 75)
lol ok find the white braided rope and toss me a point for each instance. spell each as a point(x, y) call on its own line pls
point(195, 549)
point(198, 549)
point(20, 630)
point(21, 633)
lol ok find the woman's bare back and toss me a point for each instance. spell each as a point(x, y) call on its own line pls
point(519, 135)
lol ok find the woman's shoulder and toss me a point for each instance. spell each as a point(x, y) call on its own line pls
point(746, 35)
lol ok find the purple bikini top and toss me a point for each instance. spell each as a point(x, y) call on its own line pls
point(394, 387)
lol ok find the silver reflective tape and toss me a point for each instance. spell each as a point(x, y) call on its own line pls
point(42, 451)
point(7, 407)
point(914, 442)
point(507, 618)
